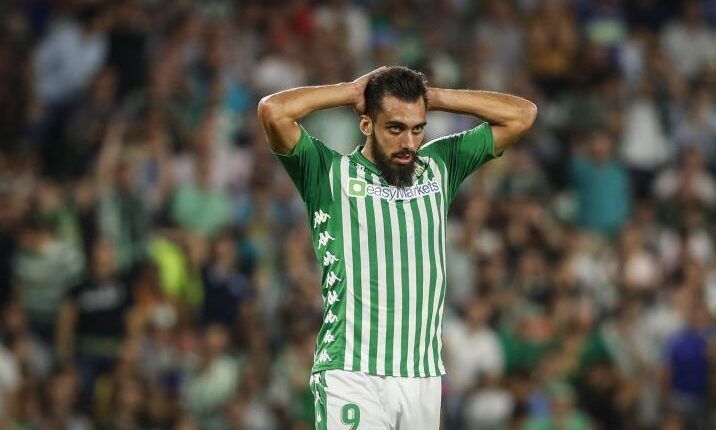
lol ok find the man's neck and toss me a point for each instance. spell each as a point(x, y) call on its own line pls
point(367, 151)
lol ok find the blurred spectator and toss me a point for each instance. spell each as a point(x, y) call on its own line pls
point(689, 182)
point(553, 42)
point(69, 56)
point(210, 386)
point(347, 18)
point(290, 390)
point(639, 272)
point(688, 41)
point(489, 406)
point(93, 317)
point(122, 213)
point(198, 205)
point(16, 101)
point(604, 22)
point(45, 268)
point(62, 401)
point(698, 127)
point(645, 146)
point(473, 350)
point(87, 123)
point(499, 40)
point(33, 356)
point(601, 185)
point(127, 50)
point(563, 412)
point(525, 345)
point(226, 288)
point(176, 279)
point(280, 68)
point(525, 179)
point(10, 384)
point(687, 368)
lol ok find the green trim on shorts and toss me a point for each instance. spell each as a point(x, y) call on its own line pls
point(320, 401)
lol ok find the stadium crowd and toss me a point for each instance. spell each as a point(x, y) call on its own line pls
point(155, 267)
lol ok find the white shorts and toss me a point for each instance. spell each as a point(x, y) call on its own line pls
point(357, 401)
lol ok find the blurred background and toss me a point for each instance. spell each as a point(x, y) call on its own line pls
point(156, 270)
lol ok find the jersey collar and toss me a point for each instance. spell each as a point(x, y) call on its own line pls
point(357, 157)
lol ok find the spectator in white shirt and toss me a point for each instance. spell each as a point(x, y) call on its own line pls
point(70, 55)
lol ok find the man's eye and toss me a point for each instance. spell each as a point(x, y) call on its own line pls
point(395, 129)
point(418, 129)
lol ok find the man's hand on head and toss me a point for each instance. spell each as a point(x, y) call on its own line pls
point(359, 88)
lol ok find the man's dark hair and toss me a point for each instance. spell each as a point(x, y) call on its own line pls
point(401, 82)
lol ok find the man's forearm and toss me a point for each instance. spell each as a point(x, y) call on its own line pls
point(510, 116)
point(495, 108)
point(297, 103)
point(279, 112)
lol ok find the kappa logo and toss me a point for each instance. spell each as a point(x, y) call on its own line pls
point(323, 357)
point(330, 317)
point(332, 298)
point(319, 217)
point(332, 278)
point(328, 338)
point(323, 238)
point(329, 258)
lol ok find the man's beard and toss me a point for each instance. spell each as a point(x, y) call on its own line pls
point(398, 175)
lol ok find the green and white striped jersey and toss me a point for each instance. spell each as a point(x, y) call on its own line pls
point(382, 251)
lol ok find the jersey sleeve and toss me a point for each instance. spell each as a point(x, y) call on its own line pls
point(462, 153)
point(307, 165)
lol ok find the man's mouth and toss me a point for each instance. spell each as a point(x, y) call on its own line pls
point(403, 158)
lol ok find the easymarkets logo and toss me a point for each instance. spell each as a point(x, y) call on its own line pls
point(356, 187)
point(360, 188)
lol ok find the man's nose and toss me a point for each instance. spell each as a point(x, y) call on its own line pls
point(410, 142)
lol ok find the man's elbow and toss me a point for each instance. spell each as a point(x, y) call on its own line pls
point(268, 110)
point(511, 131)
point(527, 118)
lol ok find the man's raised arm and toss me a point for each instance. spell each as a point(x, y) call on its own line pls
point(509, 116)
point(279, 112)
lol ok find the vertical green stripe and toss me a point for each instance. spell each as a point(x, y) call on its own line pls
point(440, 279)
point(397, 286)
point(366, 300)
point(347, 239)
point(431, 282)
point(372, 283)
point(405, 317)
point(436, 214)
point(390, 286)
point(355, 246)
point(337, 349)
point(417, 244)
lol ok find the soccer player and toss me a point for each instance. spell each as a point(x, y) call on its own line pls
point(377, 219)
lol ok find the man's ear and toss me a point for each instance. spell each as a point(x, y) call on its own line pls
point(366, 125)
